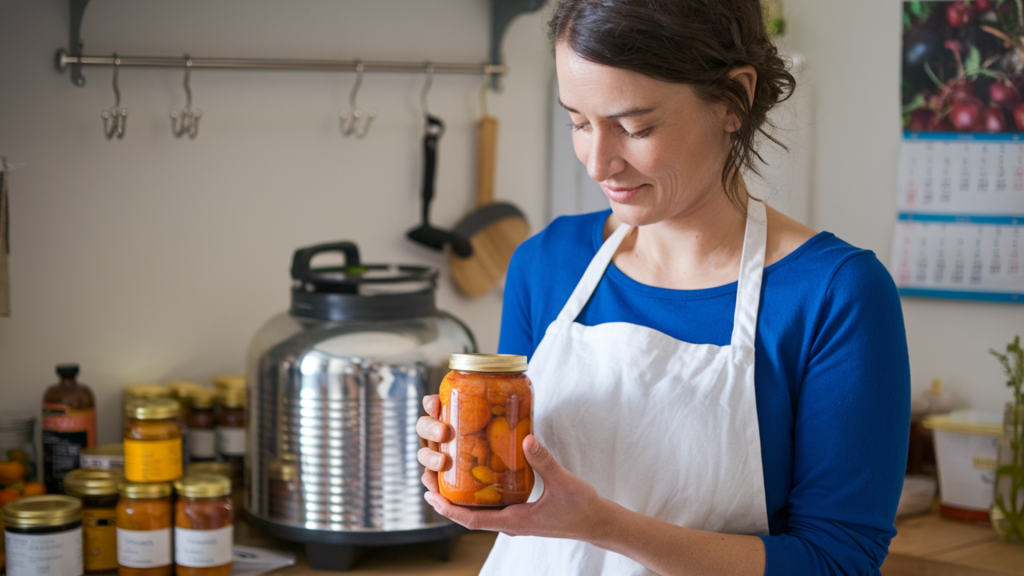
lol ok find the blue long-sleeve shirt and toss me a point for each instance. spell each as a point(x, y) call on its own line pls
point(832, 378)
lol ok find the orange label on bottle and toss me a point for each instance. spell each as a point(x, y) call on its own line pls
point(99, 539)
point(60, 418)
point(152, 460)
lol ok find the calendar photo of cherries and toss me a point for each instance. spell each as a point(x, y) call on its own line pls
point(963, 66)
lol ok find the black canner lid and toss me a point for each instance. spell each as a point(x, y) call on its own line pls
point(356, 291)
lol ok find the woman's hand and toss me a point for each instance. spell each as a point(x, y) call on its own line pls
point(568, 508)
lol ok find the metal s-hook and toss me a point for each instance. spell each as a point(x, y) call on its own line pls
point(349, 118)
point(186, 120)
point(115, 119)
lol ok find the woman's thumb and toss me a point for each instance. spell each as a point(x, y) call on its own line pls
point(539, 458)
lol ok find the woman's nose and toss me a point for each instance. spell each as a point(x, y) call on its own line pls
point(603, 157)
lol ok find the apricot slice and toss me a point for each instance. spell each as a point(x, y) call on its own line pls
point(489, 494)
point(497, 464)
point(485, 475)
point(475, 446)
point(467, 386)
point(458, 486)
point(498, 410)
point(446, 389)
point(506, 444)
point(474, 413)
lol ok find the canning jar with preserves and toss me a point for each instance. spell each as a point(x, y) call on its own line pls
point(43, 535)
point(202, 426)
point(487, 400)
point(203, 533)
point(97, 489)
point(144, 529)
point(152, 441)
point(232, 420)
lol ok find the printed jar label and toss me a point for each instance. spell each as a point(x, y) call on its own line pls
point(202, 443)
point(102, 461)
point(57, 554)
point(152, 460)
point(144, 548)
point(203, 548)
point(99, 541)
point(231, 441)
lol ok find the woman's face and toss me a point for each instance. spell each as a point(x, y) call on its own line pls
point(655, 148)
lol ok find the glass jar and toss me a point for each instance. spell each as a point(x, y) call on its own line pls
point(17, 434)
point(202, 426)
point(44, 536)
point(180, 389)
point(488, 401)
point(203, 530)
point(1009, 471)
point(232, 420)
point(144, 530)
point(69, 424)
point(152, 441)
point(104, 457)
point(97, 489)
point(285, 494)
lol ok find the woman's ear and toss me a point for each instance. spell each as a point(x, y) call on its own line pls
point(747, 77)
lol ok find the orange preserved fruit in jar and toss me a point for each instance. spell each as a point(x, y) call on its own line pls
point(487, 401)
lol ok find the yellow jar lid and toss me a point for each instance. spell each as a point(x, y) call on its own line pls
point(965, 422)
point(202, 399)
point(283, 469)
point(202, 486)
point(92, 482)
point(229, 381)
point(488, 363)
point(181, 388)
point(145, 490)
point(153, 409)
point(43, 511)
point(222, 469)
point(232, 398)
point(136, 391)
point(104, 450)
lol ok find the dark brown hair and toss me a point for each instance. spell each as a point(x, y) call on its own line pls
point(693, 42)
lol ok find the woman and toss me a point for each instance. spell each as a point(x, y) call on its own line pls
point(718, 389)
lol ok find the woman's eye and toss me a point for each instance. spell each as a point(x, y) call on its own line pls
point(641, 134)
point(578, 127)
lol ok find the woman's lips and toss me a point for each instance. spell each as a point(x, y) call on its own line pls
point(620, 195)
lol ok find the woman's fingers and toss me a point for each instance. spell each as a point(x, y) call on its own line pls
point(543, 463)
point(432, 460)
point(432, 429)
point(432, 404)
point(430, 481)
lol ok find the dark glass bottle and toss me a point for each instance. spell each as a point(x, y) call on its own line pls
point(69, 424)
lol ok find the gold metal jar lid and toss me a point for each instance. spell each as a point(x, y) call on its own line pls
point(202, 486)
point(232, 398)
point(92, 482)
point(488, 363)
point(43, 511)
point(229, 382)
point(181, 388)
point(138, 391)
point(104, 450)
point(222, 469)
point(145, 490)
point(153, 409)
point(283, 469)
point(201, 399)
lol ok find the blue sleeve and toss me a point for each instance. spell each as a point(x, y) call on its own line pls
point(851, 430)
point(516, 331)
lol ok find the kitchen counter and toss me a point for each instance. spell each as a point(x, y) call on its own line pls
point(924, 546)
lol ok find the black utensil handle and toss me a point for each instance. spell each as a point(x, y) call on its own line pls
point(432, 133)
point(303, 257)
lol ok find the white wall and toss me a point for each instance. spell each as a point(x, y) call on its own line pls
point(152, 258)
point(853, 55)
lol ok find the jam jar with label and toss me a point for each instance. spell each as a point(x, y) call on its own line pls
point(487, 400)
point(43, 535)
point(152, 441)
point(203, 531)
point(144, 529)
point(97, 489)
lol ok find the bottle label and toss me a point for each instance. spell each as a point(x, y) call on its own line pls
point(65, 433)
point(102, 461)
point(56, 554)
point(202, 443)
point(60, 418)
point(231, 441)
point(152, 460)
point(99, 539)
point(144, 548)
point(203, 548)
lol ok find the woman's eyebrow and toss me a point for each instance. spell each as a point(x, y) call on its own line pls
point(625, 114)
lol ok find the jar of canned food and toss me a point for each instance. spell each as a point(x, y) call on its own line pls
point(487, 400)
point(144, 537)
point(98, 491)
point(203, 531)
point(152, 441)
point(44, 536)
point(202, 426)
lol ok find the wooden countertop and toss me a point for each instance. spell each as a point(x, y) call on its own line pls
point(924, 546)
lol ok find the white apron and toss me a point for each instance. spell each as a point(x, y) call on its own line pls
point(663, 427)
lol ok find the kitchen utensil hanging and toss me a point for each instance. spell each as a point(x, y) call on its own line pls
point(350, 117)
point(186, 120)
point(493, 229)
point(427, 234)
point(115, 119)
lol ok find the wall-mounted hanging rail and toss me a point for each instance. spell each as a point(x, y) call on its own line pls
point(502, 14)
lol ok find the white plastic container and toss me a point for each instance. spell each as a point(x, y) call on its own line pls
point(965, 451)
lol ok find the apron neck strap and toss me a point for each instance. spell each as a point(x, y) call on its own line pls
point(592, 277)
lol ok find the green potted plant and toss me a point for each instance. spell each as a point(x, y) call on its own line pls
point(1007, 512)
